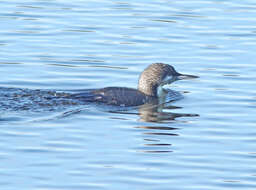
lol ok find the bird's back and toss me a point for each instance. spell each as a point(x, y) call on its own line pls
point(119, 96)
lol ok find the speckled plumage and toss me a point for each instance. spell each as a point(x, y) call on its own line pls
point(152, 77)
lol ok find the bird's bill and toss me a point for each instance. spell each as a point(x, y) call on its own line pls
point(185, 76)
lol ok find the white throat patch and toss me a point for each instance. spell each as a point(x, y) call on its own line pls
point(160, 91)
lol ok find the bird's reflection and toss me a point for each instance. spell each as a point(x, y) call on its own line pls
point(162, 116)
point(161, 113)
point(155, 113)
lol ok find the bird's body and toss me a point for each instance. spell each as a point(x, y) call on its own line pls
point(149, 88)
point(118, 96)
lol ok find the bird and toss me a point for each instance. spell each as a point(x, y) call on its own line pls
point(150, 88)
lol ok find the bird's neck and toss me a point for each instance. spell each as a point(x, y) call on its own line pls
point(149, 90)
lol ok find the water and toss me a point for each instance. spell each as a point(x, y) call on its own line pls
point(204, 141)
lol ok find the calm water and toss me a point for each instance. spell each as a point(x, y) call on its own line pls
point(204, 141)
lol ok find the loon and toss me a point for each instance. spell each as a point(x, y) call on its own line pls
point(150, 88)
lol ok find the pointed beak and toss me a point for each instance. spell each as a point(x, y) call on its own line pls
point(185, 76)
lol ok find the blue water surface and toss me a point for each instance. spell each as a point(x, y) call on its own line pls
point(205, 141)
